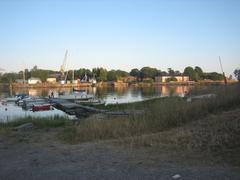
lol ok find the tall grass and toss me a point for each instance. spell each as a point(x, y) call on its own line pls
point(155, 116)
point(39, 122)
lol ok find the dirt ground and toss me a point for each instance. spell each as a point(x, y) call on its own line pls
point(38, 154)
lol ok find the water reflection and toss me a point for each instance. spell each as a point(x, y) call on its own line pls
point(111, 94)
point(11, 111)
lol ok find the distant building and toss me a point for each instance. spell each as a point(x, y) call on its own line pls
point(34, 80)
point(75, 81)
point(163, 79)
point(51, 80)
point(92, 80)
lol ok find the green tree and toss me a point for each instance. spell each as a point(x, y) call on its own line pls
point(102, 74)
point(9, 77)
point(199, 72)
point(112, 75)
point(189, 71)
point(237, 74)
point(214, 76)
point(177, 73)
point(171, 79)
point(148, 72)
point(136, 73)
point(121, 73)
point(80, 73)
point(171, 72)
point(163, 73)
point(39, 73)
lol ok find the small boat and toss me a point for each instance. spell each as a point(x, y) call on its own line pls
point(21, 96)
point(11, 99)
point(80, 90)
point(75, 96)
point(93, 101)
point(41, 107)
point(28, 103)
point(16, 98)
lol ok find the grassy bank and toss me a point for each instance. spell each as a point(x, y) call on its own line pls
point(152, 116)
point(38, 122)
point(206, 124)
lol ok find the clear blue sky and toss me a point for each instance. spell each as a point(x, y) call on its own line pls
point(120, 34)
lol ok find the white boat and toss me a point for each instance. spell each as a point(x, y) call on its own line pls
point(19, 102)
point(76, 96)
point(11, 99)
point(92, 101)
point(16, 98)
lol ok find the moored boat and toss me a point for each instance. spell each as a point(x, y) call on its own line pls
point(75, 96)
point(93, 101)
point(41, 107)
point(16, 98)
point(80, 90)
point(28, 103)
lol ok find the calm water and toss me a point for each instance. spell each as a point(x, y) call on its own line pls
point(110, 95)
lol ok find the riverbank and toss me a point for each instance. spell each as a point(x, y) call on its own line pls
point(159, 139)
point(39, 154)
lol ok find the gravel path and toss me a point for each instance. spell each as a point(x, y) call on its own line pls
point(49, 159)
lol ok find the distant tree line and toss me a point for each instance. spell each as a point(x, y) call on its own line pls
point(237, 74)
point(197, 74)
point(101, 74)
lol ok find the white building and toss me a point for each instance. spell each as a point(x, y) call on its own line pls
point(164, 79)
point(51, 80)
point(33, 80)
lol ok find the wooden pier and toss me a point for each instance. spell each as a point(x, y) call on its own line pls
point(80, 110)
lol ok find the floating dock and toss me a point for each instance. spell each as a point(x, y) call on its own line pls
point(80, 110)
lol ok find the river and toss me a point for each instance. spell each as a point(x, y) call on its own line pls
point(111, 95)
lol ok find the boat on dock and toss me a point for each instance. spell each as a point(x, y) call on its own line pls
point(41, 107)
point(80, 90)
point(93, 102)
point(16, 98)
point(29, 103)
point(76, 96)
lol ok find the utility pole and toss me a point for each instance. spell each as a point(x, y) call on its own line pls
point(225, 79)
point(73, 76)
point(24, 76)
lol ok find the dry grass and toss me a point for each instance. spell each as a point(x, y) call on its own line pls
point(158, 115)
point(218, 135)
point(38, 122)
